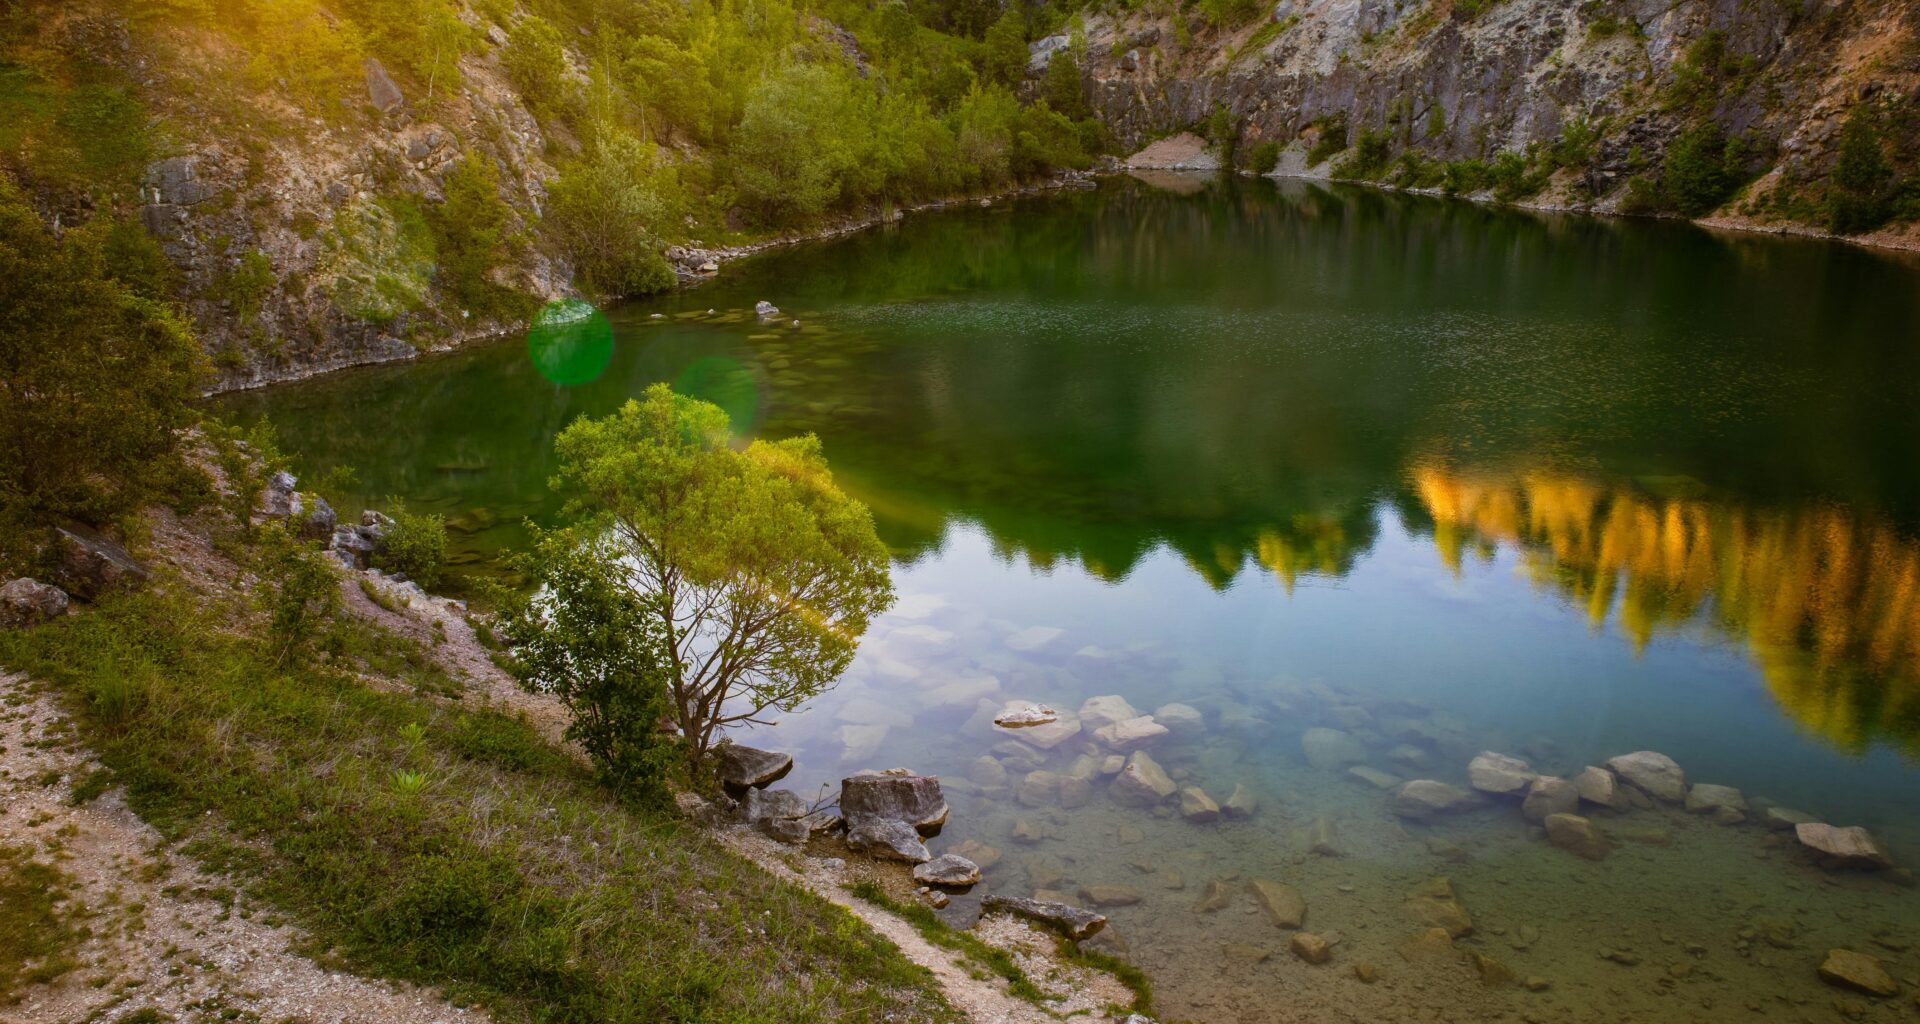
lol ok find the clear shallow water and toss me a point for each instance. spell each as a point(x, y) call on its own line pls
point(1297, 457)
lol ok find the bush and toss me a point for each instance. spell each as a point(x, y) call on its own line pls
point(470, 239)
point(604, 211)
point(416, 544)
point(302, 593)
point(537, 63)
point(1265, 157)
point(1702, 170)
point(585, 638)
point(1857, 201)
point(1332, 139)
point(1369, 157)
point(796, 142)
point(98, 375)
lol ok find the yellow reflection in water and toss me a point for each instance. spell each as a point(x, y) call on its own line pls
point(1827, 603)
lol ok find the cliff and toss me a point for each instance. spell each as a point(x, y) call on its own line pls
point(1576, 105)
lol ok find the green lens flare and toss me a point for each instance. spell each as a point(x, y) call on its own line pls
point(570, 343)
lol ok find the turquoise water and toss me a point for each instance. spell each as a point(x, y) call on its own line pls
point(1301, 457)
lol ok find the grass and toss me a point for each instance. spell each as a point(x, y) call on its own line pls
point(37, 933)
point(418, 839)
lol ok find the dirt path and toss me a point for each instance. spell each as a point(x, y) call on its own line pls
point(160, 934)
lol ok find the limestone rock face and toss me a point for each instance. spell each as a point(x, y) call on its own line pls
point(760, 804)
point(1499, 774)
point(1283, 904)
point(913, 799)
point(1653, 774)
point(1073, 922)
point(1331, 749)
point(1597, 786)
point(381, 90)
point(1858, 971)
point(1842, 848)
point(1425, 798)
point(1142, 782)
point(743, 768)
point(888, 839)
point(1549, 795)
point(948, 871)
point(26, 602)
point(1577, 836)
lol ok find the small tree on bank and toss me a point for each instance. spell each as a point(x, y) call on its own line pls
point(586, 638)
point(758, 574)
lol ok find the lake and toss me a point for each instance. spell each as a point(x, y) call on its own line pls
point(1435, 477)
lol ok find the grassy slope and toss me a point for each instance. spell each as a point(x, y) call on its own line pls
point(508, 877)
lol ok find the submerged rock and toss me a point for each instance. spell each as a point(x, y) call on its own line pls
point(1434, 904)
point(1784, 818)
point(1097, 713)
point(1549, 795)
point(1655, 774)
point(1311, 948)
point(743, 768)
point(1374, 777)
point(1499, 774)
point(1074, 922)
point(1725, 803)
point(1038, 789)
point(1597, 786)
point(948, 871)
point(1215, 895)
point(1197, 807)
point(1425, 798)
point(1331, 749)
point(1320, 838)
point(1110, 895)
point(1142, 782)
point(1182, 721)
point(1833, 848)
point(978, 852)
point(1577, 836)
point(1130, 735)
point(1283, 904)
point(1045, 735)
point(1241, 803)
point(1858, 971)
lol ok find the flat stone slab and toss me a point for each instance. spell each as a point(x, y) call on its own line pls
point(743, 768)
point(948, 871)
point(1833, 848)
point(1857, 971)
point(1074, 922)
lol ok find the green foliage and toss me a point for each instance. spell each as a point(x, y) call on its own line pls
point(415, 544)
point(537, 63)
point(605, 211)
point(301, 593)
point(246, 283)
point(1332, 138)
point(1468, 10)
point(1230, 14)
point(470, 240)
point(377, 257)
point(1465, 177)
point(301, 48)
point(84, 136)
point(798, 142)
point(1062, 87)
point(761, 572)
point(585, 638)
point(1642, 194)
point(1368, 157)
point(1702, 170)
point(1223, 130)
point(97, 375)
point(1708, 73)
point(1514, 177)
point(1265, 157)
point(1574, 149)
point(1858, 200)
point(1003, 54)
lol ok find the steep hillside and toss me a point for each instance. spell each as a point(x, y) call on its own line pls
point(358, 180)
point(1740, 108)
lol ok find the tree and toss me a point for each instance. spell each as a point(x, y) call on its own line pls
point(470, 236)
point(98, 374)
point(1003, 55)
point(796, 141)
point(1861, 175)
point(760, 574)
point(537, 62)
point(586, 638)
point(604, 211)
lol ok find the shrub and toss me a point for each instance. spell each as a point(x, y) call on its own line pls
point(1702, 169)
point(97, 376)
point(796, 142)
point(1369, 156)
point(1230, 13)
point(585, 638)
point(470, 239)
point(604, 211)
point(416, 545)
point(1332, 139)
point(1265, 157)
point(537, 63)
point(1857, 201)
point(302, 593)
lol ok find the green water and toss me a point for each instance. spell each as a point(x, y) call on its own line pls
point(1302, 457)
